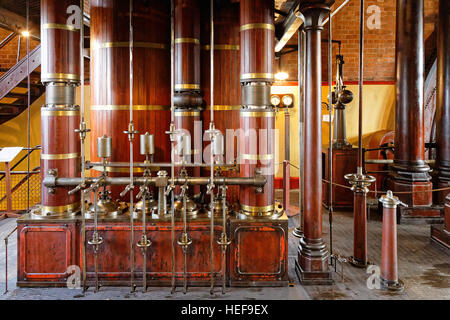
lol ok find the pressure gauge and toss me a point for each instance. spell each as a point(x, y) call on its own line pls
point(287, 100)
point(275, 100)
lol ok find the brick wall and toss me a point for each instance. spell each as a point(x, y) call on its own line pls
point(379, 52)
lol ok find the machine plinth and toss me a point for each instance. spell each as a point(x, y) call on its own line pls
point(261, 239)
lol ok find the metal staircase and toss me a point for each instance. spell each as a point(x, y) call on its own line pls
point(16, 77)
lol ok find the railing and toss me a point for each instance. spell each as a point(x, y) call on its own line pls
point(19, 186)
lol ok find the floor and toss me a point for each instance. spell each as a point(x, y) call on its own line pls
point(423, 267)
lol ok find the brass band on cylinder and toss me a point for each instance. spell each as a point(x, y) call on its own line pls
point(59, 113)
point(60, 77)
point(250, 26)
point(235, 47)
point(74, 207)
point(187, 40)
point(257, 76)
point(114, 107)
point(224, 107)
point(126, 44)
point(187, 113)
point(258, 211)
point(191, 86)
point(59, 26)
point(60, 156)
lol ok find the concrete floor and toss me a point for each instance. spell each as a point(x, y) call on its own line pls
point(423, 267)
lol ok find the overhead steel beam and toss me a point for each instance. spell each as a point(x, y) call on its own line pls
point(290, 25)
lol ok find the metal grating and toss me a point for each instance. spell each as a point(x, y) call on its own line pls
point(19, 196)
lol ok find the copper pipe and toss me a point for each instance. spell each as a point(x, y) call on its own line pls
point(51, 182)
point(389, 269)
point(330, 133)
point(171, 132)
point(298, 231)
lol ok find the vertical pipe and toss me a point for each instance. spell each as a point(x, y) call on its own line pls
point(82, 151)
point(131, 133)
point(360, 181)
point(330, 132)
point(298, 231)
point(144, 237)
point(360, 227)
point(28, 106)
point(286, 184)
point(8, 187)
point(212, 135)
point(389, 269)
point(360, 83)
point(6, 265)
point(286, 162)
point(172, 147)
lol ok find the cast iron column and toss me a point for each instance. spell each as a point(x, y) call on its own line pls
point(441, 234)
point(443, 99)
point(410, 172)
point(312, 261)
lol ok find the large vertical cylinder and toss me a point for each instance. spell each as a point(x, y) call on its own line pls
point(410, 172)
point(257, 40)
point(110, 77)
point(60, 73)
point(443, 99)
point(227, 89)
point(257, 118)
point(187, 97)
